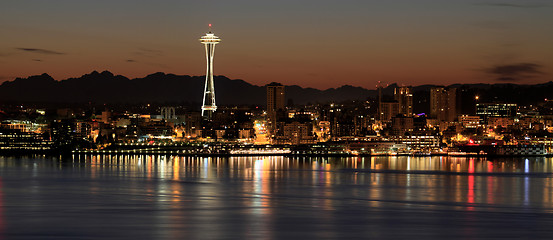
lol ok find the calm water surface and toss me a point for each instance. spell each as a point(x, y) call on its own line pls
point(158, 197)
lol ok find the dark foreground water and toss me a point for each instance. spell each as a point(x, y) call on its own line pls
point(149, 197)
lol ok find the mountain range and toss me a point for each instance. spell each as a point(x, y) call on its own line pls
point(105, 87)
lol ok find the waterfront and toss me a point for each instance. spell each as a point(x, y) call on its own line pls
point(175, 197)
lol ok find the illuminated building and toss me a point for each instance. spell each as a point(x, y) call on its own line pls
point(106, 117)
point(401, 125)
point(155, 129)
point(168, 113)
point(275, 102)
point(17, 140)
point(404, 96)
point(418, 142)
point(388, 110)
point(64, 131)
point(193, 125)
point(469, 121)
point(209, 106)
point(501, 121)
point(487, 110)
point(295, 133)
point(443, 104)
point(275, 97)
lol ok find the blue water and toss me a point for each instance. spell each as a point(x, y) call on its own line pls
point(154, 197)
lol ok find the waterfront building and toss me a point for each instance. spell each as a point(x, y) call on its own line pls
point(246, 135)
point(402, 124)
point(155, 129)
point(23, 125)
point(294, 132)
point(418, 142)
point(374, 147)
point(298, 133)
point(17, 140)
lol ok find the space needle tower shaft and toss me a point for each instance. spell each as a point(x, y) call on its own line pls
point(209, 106)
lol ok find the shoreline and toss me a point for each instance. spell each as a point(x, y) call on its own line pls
point(177, 153)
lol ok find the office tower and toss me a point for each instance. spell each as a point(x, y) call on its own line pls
point(209, 106)
point(275, 97)
point(388, 110)
point(443, 104)
point(487, 110)
point(404, 96)
point(275, 102)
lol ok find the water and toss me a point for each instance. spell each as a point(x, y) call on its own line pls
point(155, 197)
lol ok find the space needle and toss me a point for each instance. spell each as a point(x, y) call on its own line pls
point(209, 106)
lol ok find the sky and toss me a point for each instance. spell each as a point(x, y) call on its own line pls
point(320, 44)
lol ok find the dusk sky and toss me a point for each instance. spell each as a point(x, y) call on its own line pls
point(318, 44)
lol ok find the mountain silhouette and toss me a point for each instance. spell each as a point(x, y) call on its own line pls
point(105, 87)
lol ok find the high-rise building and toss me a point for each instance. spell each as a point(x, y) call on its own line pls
point(388, 110)
point(275, 97)
point(404, 96)
point(443, 104)
point(209, 106)
point(275, 102)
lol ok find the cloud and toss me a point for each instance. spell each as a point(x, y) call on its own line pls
point(130, 60)
point(515, 72)
point(40, 51)
point(37, 60)
point(512, 5)
point(150, 53)
point(516, 69)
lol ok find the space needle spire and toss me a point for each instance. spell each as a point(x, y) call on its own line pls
point(209, 106)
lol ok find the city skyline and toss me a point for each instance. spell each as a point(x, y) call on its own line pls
point(319, 44)
point(334, 119)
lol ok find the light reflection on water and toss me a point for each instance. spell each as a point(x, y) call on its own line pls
point(171, 197)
